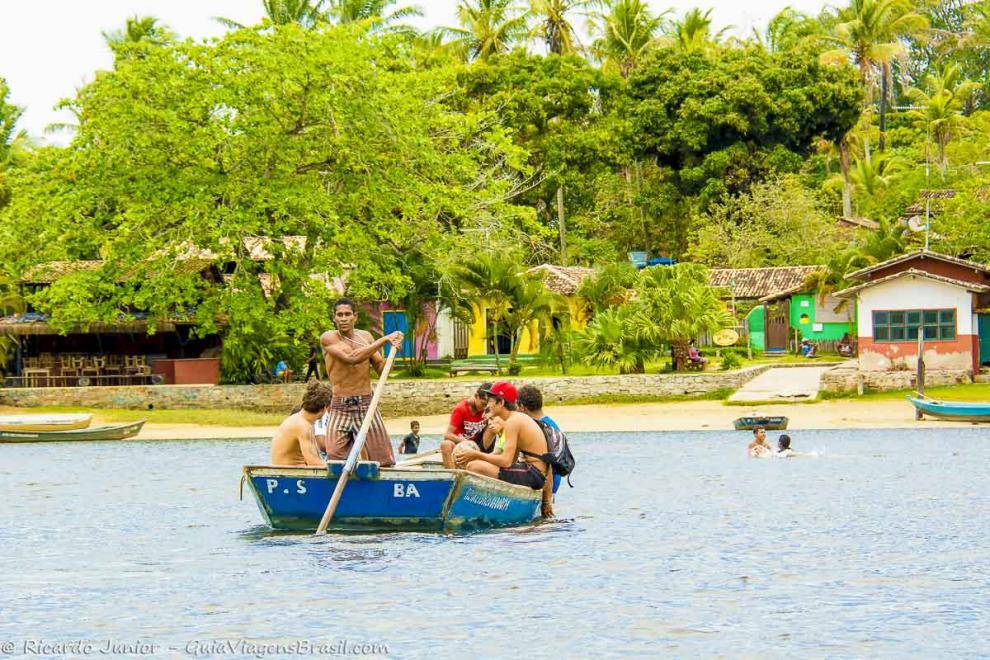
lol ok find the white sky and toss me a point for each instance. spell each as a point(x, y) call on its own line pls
point(48, 49)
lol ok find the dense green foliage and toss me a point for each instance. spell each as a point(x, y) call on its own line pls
point(406, 160)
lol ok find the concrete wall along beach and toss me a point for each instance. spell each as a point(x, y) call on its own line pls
point(401, 397)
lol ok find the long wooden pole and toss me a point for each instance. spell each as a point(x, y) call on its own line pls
point(352, 458)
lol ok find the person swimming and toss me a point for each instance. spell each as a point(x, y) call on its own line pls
point(784, 447)
point(759, 448)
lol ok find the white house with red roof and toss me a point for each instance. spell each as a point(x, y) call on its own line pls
point(945, 298)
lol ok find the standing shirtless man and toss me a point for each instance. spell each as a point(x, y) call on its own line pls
point(349, 355)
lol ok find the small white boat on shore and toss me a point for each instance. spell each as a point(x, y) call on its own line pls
point(45, 422)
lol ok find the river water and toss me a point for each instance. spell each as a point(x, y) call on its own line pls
point(670, 543)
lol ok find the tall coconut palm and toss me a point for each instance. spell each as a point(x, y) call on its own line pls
point(624, 31)
point(489, 27)
point(553, 24)
point(307, 13)
point(876, 174)
point(381, 13)
point(870, 31)
point(693, 32)
point(939, 109)
point(787, 29)
point(137, 29)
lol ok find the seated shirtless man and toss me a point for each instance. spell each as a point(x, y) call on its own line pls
point(521, 435)
point(294, 443)
point(759, 448)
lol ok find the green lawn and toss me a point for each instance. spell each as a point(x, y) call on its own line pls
point(968, 392)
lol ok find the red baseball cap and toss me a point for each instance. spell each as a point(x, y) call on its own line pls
point(503, 389)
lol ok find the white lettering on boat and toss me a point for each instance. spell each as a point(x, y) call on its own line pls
point(404, 490)
point(300, 487)
point(491, 501)
point(272, 485)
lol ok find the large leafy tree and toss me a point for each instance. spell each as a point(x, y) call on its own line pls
point(14, 144)
point(185, 156)
point(721, 119)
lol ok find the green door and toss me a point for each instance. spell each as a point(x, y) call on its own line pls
point(984, 325)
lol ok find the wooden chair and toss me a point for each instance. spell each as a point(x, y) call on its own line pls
point(30, 363)
point(93, 368)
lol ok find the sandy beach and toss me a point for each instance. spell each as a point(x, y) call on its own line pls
point(675, 416)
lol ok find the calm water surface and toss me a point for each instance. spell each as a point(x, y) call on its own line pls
point(671, 543)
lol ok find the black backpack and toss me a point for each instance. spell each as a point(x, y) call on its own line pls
point(558, 454)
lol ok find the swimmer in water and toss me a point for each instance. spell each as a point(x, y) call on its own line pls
point(758, 448)
point(784, 447)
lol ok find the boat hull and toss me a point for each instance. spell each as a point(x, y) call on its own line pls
point(769, 422)
point(95, 433)
point(957, 411)
point(32, 423)
point(389, 499)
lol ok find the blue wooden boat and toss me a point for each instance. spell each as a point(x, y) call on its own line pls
point(957, 411)
point(387, 499)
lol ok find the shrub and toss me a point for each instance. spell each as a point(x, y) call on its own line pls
point(730, 360)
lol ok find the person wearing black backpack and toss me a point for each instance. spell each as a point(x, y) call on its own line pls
point(522, 435)
point(531, 403)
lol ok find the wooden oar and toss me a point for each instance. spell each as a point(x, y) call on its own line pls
point(352, 458)
point(426, 457)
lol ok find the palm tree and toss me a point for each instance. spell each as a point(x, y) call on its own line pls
point(554, 27)
point(692, 33)
point(137, 29)
point(379, 12)
point(488, 27)
point(675, 304)
point(872, 175)
point(624, 30)
point(871, 32)
point(787, 29)
point(939, 110)
point(530, 302)
point(609, 341)
point(608, 288)
point(490, 280)
point(307, 13)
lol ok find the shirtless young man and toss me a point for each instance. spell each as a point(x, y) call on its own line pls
point(294, 443)
point(349, 355)
point(759, 448)
point(522, 435)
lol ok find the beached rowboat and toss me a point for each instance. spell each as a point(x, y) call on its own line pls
point(958, 411)
point(389, 498)
point(41, 422)
point(109, 432)
point(769, 422)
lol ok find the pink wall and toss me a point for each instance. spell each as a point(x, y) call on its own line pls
point(959, 353)
point(428, 321)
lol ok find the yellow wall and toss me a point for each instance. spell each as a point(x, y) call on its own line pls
point(530, 341)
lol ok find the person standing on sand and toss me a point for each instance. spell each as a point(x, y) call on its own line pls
point(313, 363)
point(294, 443)
point(349, 356)
point(759, 448)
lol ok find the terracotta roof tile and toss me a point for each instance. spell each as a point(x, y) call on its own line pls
point(914, 272)
point(755, 283)
point(564, 280)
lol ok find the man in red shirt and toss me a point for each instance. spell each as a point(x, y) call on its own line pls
point(467, 422)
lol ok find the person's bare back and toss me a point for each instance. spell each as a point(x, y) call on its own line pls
point(294, 443)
